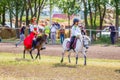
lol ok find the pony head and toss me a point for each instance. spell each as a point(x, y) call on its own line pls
point(86, 41)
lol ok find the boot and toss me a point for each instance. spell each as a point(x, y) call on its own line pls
point(43, 48)
point(33, 44)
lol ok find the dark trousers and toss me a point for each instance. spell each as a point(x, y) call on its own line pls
point(34, 43)
point(112, 36)
point(71, 41)
point(62, 38)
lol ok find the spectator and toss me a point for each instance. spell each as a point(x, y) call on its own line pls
point(57, 25)
point(83, 31)
point(29, 29)
point(53, 33)
point(22, 34)
point(62, 33)
point(112, 30)
point(47, 31)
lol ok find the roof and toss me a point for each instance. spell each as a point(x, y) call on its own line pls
point(62, 16)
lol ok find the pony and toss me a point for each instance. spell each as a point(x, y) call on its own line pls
point(82, 44)
point(40, 42)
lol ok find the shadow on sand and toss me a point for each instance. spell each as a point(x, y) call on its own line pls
point(65, 65)
point(21, 59)
point(117, 71)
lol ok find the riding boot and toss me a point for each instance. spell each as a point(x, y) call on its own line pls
point(33, 44)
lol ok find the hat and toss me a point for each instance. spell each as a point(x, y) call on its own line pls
point(75, 20)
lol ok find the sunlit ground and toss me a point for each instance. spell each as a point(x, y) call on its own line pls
point(14, 67)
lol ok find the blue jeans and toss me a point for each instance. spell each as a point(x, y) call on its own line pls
point(22, 36)
point(53, 37)
point(62, 38)
point(47, 39)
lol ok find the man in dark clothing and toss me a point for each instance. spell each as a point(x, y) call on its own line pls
point(22, 34)
point(112, 33)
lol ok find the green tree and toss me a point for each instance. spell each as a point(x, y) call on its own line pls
point(116, 4)
point(35, 7)
point(102, 11)
point(93, 11)
point(69, 7)
point(85, 13)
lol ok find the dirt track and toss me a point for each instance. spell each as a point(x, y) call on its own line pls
point(95, 51)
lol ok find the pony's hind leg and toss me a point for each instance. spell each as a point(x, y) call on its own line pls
point(62, 56)
point(38, 54)
point(69, 57)
point(76, 57)
point(31, 54)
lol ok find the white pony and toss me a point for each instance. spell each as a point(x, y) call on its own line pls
point(82, 44)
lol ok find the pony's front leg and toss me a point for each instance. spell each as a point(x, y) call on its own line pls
point(84, 54)
point(24, 54)
point(69, 57)
point(62, 56)
point(31, 54)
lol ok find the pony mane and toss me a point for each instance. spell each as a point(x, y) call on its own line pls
point(41, 38)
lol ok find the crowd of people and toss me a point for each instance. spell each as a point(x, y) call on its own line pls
point(42, 27)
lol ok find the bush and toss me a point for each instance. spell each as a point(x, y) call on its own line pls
point(103, 40)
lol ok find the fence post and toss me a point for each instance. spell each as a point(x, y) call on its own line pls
point(91, 36)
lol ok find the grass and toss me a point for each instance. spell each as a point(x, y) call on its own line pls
point(13, 67)
point(11, 40)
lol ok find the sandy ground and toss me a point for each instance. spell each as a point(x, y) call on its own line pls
point(94, 51)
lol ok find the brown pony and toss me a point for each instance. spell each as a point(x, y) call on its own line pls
point(40, 41)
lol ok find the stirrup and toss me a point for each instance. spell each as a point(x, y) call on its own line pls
point(32, 48)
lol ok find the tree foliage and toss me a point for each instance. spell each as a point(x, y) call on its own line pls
point(93, 9)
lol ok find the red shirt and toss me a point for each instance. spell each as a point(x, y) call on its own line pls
point(62, 31)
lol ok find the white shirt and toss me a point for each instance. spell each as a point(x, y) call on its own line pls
point(53, 29)
point(75, 31)
point(33, 26)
